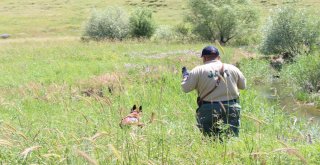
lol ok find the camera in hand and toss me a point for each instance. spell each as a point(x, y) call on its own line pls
point(184, 72)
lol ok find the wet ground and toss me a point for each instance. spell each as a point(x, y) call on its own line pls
point(282, 95)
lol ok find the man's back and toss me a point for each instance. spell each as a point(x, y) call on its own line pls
point(203, 78)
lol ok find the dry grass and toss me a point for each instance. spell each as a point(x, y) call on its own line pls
point(96, 84)
point(239, 54)
point(26, 151)
point(97, 136)
point(40, 40)
point(255, 119)
point(88, 158)
point(40, 91)
point(102, 80)
point(292, 151)
point(92, 87)
point(5, 143)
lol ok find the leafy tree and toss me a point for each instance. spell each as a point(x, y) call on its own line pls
point(222, 20)
point(142, 23)
point(290, 31)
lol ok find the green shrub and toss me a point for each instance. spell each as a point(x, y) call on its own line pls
point(183, 32)
point(303, 78)
point(164, 32)
point(306, 69)
point(290, 31)
point(112, 23)
point(222, 20)
point(182, 29)
point(142, 23)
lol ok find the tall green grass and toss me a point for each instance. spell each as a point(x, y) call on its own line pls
point(45, 118)
point(303, 78)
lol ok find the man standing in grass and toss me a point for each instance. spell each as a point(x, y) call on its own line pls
point(217, 85)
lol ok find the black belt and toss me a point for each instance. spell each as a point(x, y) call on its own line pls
point(223, 102)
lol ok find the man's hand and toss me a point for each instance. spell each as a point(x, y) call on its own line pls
point(185, 73)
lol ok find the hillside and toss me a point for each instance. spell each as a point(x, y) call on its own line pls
point(42, 18)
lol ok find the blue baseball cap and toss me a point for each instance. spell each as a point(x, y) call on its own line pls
point(210, 50)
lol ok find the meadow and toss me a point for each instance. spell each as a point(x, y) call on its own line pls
point(42, 18)
point(61, 100)
point(46, 117)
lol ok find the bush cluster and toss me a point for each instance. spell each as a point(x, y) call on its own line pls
point(141, 23)
point(290, 32)
point(114, 23)
point(164, 32)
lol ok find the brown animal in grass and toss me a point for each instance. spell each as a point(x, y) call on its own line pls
point(133, 119)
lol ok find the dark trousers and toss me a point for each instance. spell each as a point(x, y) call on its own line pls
point(215, 119)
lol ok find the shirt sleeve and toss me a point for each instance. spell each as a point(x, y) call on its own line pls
point(241, 80)
point(190, 83)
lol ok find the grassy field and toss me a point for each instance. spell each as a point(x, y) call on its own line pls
point(46, 117)
point(61, 100)
point(42, 18)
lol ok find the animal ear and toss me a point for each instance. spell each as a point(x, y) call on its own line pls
point(134, 107)
point(140, 108)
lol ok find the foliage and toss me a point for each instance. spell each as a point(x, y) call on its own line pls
point(184, 32)
point(111, 23)
point(182, 29)
point(142, 23)
point(222, 20)
point(164, 32)
point(251, 40)
point(256, 71)
point(304, 74)
point(291, 31)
